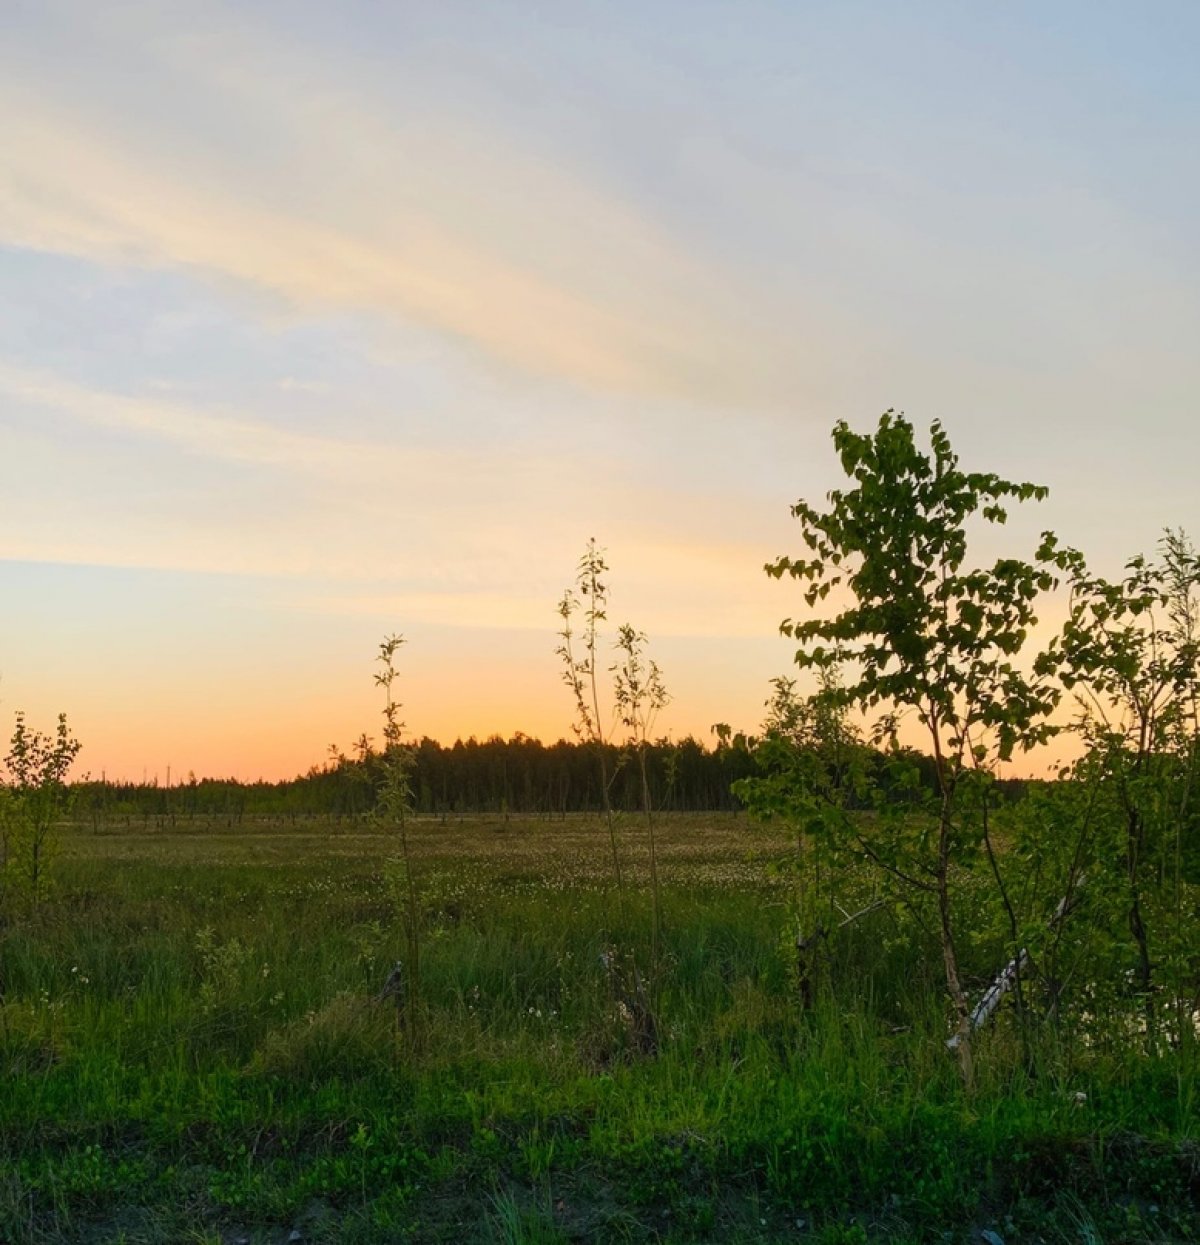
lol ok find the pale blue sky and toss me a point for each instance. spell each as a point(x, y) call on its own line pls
point(319, 321)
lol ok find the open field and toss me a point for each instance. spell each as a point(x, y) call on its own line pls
point(192, 1047)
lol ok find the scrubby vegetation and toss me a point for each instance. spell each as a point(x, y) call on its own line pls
point(894, 997)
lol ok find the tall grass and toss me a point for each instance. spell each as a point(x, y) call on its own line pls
point(190, 1041)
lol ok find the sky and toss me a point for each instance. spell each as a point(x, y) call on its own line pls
point(320, 322)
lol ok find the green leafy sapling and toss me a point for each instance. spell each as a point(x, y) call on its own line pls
point(581, 658)
point(808, 746)
point(811, 775)
point(35, 799)
point(589, 596)
point(393, 811)
point(1130, 653)
point(640, 695)
point(923, 632)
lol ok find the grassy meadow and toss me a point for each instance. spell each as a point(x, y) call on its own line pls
point(196, 1045)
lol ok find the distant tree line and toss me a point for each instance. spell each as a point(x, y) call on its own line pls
point(518, 776)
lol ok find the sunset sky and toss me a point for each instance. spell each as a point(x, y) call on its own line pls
point(320, 321)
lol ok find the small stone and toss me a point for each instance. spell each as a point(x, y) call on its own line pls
point(992, 1238)
point(295, 1236)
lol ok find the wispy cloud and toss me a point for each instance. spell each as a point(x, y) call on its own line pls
point(359, 529)
point(352, 206)
point(213, 435)
point(660, 587)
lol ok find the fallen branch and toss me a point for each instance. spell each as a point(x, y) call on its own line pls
point(805, 945)
point(1011, 973)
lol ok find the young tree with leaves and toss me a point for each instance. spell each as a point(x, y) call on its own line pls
point(640, 695)
point(393, 809)
point(1130, 652)
point(581, 673)
point(811, 774)
point(923, 632)
point(35, 799)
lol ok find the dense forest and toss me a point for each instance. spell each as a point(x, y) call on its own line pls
point(518, 776)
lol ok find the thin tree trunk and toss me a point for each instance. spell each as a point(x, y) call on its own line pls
point(962, 1010)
